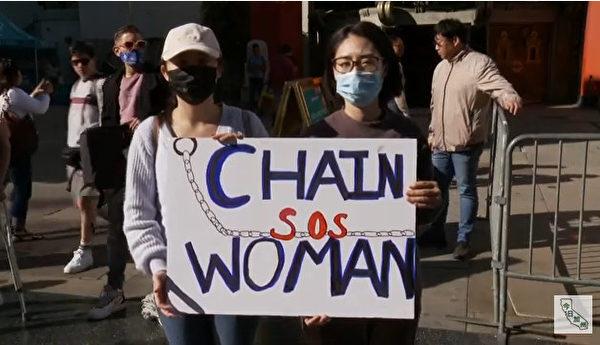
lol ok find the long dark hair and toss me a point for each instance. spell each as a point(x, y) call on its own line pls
point(2, 76)
point(392, 82)
point(9, 75)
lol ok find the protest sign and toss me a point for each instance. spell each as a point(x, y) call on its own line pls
point(290, 226)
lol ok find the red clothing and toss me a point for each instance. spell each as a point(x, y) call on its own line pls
point(282, 69)
point(128, 96)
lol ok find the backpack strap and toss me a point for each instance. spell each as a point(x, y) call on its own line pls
point(246, 126)
point(155, 129)
point(156, 123)
point(155, 132)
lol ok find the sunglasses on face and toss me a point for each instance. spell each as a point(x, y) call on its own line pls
point(141, 44)
point(83, 62)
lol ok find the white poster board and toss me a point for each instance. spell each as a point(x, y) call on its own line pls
point(229, 213)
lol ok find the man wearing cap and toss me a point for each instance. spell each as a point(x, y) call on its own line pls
point(133, 93)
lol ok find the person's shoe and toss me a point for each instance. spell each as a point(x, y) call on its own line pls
point(110, 301)
point(462, 251)
point(82, 260)
point(432, 238)
point(20, 233)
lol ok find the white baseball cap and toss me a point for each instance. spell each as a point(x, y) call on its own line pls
point(191, 36)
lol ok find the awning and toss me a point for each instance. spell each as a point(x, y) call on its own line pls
point(12, 35)
point(409, 16)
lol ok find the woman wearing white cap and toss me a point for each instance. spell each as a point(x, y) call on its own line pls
point(191, 64)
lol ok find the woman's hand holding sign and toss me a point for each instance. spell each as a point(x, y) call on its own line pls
point(228, 138)
point(424, 194)
point(159, 288)
point(318, 320)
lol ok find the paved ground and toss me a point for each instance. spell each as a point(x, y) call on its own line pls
point(58, 303)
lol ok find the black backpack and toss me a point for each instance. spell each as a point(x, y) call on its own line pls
point(102, 160)
point(24, 138)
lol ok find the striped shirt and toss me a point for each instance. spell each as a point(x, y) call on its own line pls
point(85, 108)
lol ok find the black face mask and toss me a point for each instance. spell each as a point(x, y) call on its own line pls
point(193, 83)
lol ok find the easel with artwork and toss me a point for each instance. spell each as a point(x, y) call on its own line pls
point(302, 104)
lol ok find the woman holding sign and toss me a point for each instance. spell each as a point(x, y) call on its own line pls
point(362, 76)
point(191, 64)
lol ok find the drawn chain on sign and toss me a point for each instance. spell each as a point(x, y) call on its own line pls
point(280, 231)
point(179, 145)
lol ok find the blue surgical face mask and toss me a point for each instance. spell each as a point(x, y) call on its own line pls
point(132, 58)
point(359, 88)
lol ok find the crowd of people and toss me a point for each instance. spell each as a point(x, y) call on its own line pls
point(140, 106)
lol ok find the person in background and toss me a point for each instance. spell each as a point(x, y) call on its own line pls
point(192, 62)
point(362, 76)
point(130, 95)
point(400, 101)
point(464, 84)
point(257, 67)
point(23, 141)
point(4, 130)
point(84, 113)
point(283, 68)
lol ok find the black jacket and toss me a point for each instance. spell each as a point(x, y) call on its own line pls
point(153, 96)
point(102, 160)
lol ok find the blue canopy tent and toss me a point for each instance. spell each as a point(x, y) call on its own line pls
point(12, 36)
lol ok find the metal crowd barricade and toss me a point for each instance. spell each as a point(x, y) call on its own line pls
point(498, 211)
point(6, 234)
point(501, 210)
point(499, 141)
point(499, 136)
point(493, 145)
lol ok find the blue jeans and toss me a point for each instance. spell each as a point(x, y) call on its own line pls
point(209, 329)
point(20, 175)
point(463, 166)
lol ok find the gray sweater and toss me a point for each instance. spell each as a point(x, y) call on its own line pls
point(143, 227)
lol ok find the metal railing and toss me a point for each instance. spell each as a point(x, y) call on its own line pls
point(499, 140)
point(498, 212)
point(502, 202)
point(6, 234)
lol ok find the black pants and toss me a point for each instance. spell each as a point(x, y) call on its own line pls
point(357, 331)
point(349, 331)
point(255, 88)
point(118, 252)
point(20, 175)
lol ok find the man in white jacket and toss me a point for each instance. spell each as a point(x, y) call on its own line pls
point(464, 85)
